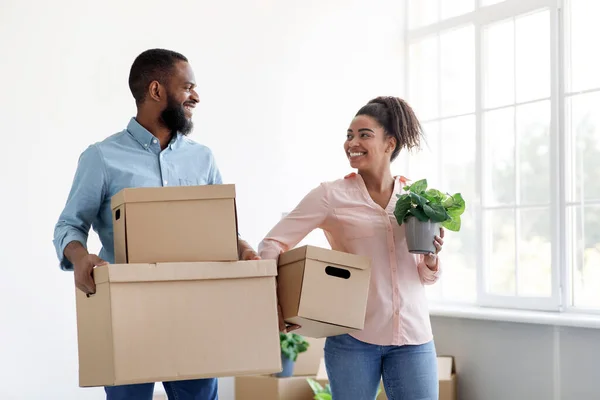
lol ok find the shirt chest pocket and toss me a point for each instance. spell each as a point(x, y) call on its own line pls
point(190, 181)
point(355, 222)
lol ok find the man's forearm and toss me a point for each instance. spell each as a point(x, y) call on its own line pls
point(75, 251)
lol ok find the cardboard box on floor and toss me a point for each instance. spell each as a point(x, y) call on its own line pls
point(307, 363)
point(446, 378)
point(174, 321)
point(192, 223)
point(272, 388)
point(324, 291)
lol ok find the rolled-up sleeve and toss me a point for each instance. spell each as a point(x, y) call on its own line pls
point(214, 175)
point(429, 277)
point(83, 203)
point(309, 214)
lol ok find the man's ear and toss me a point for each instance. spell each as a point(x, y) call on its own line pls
point(155, 91)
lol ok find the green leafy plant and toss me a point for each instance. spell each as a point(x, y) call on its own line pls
point(292, 344)
point(430, 205)
point(324, 393)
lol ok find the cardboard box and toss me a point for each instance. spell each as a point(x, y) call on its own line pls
point(175, 224)
point(446, 378)
point(307, 363)
point(174, 321)
point(324, 291)
point(272, 388)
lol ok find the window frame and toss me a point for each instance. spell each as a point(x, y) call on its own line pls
point(561, 295)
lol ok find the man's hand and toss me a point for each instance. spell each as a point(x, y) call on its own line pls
point(83, 272)
point(247, 253)
point(83, 265)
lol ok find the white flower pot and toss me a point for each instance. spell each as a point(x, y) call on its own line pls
point(421, 235)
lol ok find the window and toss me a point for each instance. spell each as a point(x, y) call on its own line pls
point(509, 96)
point(582, 153)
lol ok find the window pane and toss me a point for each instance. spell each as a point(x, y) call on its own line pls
point(533, 133)
point(425, 163)
point(458, 175)
point(584, 132)
point(533, 56)
point(500, 254)
point(585, 31)
point(422, 12)
point(452, 8)
point(458, 71)
point(499, 64)
point(534, 268)
point(499, 137)
point(585, 255)
point(423, 83)
point(459, 280)
point(458, 156)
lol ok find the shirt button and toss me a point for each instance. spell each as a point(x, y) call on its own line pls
point(165, 182)
point(154, 140)
point(397, 312)
point(145, 144)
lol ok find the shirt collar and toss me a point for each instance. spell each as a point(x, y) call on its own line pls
point(403, 180)
point(145, 138)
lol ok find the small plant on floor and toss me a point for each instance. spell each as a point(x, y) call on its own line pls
point(324, 393)
point(292, 344)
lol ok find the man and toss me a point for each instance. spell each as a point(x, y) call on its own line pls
point(152, 151)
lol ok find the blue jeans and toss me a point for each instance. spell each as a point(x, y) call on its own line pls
point(355, 369)
point(195, 389)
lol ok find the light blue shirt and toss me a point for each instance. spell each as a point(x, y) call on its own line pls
point(131, 158)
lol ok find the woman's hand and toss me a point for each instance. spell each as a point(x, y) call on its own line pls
point(431, 260)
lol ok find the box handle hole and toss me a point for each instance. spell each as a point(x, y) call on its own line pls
point(337, 272)
point(117, 214)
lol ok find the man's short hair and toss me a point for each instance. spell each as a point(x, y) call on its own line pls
point(151, 65)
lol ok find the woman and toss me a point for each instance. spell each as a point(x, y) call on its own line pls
point(357, 215)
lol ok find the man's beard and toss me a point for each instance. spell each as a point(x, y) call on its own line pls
point(174, 117)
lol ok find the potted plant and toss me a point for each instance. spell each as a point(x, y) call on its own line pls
point(423, 211)
point(292, 344)
point(324, 393)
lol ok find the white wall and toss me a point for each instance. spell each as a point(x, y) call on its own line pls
point(518, 361)
point(279, 82)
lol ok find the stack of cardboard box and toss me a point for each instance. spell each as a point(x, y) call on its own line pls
point(177, 304)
